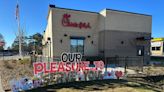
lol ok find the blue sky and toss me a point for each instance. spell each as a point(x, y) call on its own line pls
point(33, 13)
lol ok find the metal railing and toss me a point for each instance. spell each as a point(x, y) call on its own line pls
point(135, 63)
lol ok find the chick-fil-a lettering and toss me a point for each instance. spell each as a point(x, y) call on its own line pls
point(67, 23)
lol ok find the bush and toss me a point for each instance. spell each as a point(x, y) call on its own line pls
point(24, 61)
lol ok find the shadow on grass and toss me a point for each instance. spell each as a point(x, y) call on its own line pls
point(143, 85)
point(96, 85)
point(81, 85)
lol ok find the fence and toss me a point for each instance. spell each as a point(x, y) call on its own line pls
point(43, 59)
point(127, 62)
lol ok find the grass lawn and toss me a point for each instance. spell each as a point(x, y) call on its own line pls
point(98, 86)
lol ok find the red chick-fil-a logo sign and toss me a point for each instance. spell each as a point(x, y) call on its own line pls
point(69, 62)
point(67, 23)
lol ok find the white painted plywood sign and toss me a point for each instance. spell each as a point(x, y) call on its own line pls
point(156, 44)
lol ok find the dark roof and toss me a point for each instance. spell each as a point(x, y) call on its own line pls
point(53, 6)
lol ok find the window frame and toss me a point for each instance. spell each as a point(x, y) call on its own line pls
point(77, 39)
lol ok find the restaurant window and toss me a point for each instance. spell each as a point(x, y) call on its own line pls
point(77, 44)
point(158, 48)
point(153, 48)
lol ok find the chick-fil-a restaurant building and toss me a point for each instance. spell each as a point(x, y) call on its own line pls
point(108, 33)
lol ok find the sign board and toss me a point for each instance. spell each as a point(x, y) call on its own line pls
point(69, 69)
point(69, 62)
point(156, 44)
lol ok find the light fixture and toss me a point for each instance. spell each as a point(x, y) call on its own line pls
point(61, 41)
point(92, 42)
point(89, 36)
point(122, 42)
point(65, 35)
point(49, 39)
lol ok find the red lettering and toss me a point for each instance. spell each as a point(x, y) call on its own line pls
point(66, 22)
point(118, 74)
point(81, 66)
point(68, 67)
point(88, 25)
point(80, 25)
point(45, 68)
point(75, 65)
point(38, 67)
point(99, 64)
point(53, 67)
point(61, 67)
point(86, 65)
point(96, 64)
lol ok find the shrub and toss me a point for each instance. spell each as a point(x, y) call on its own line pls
point(24, 61)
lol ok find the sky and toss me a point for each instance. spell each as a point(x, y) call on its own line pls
point(33, 13)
